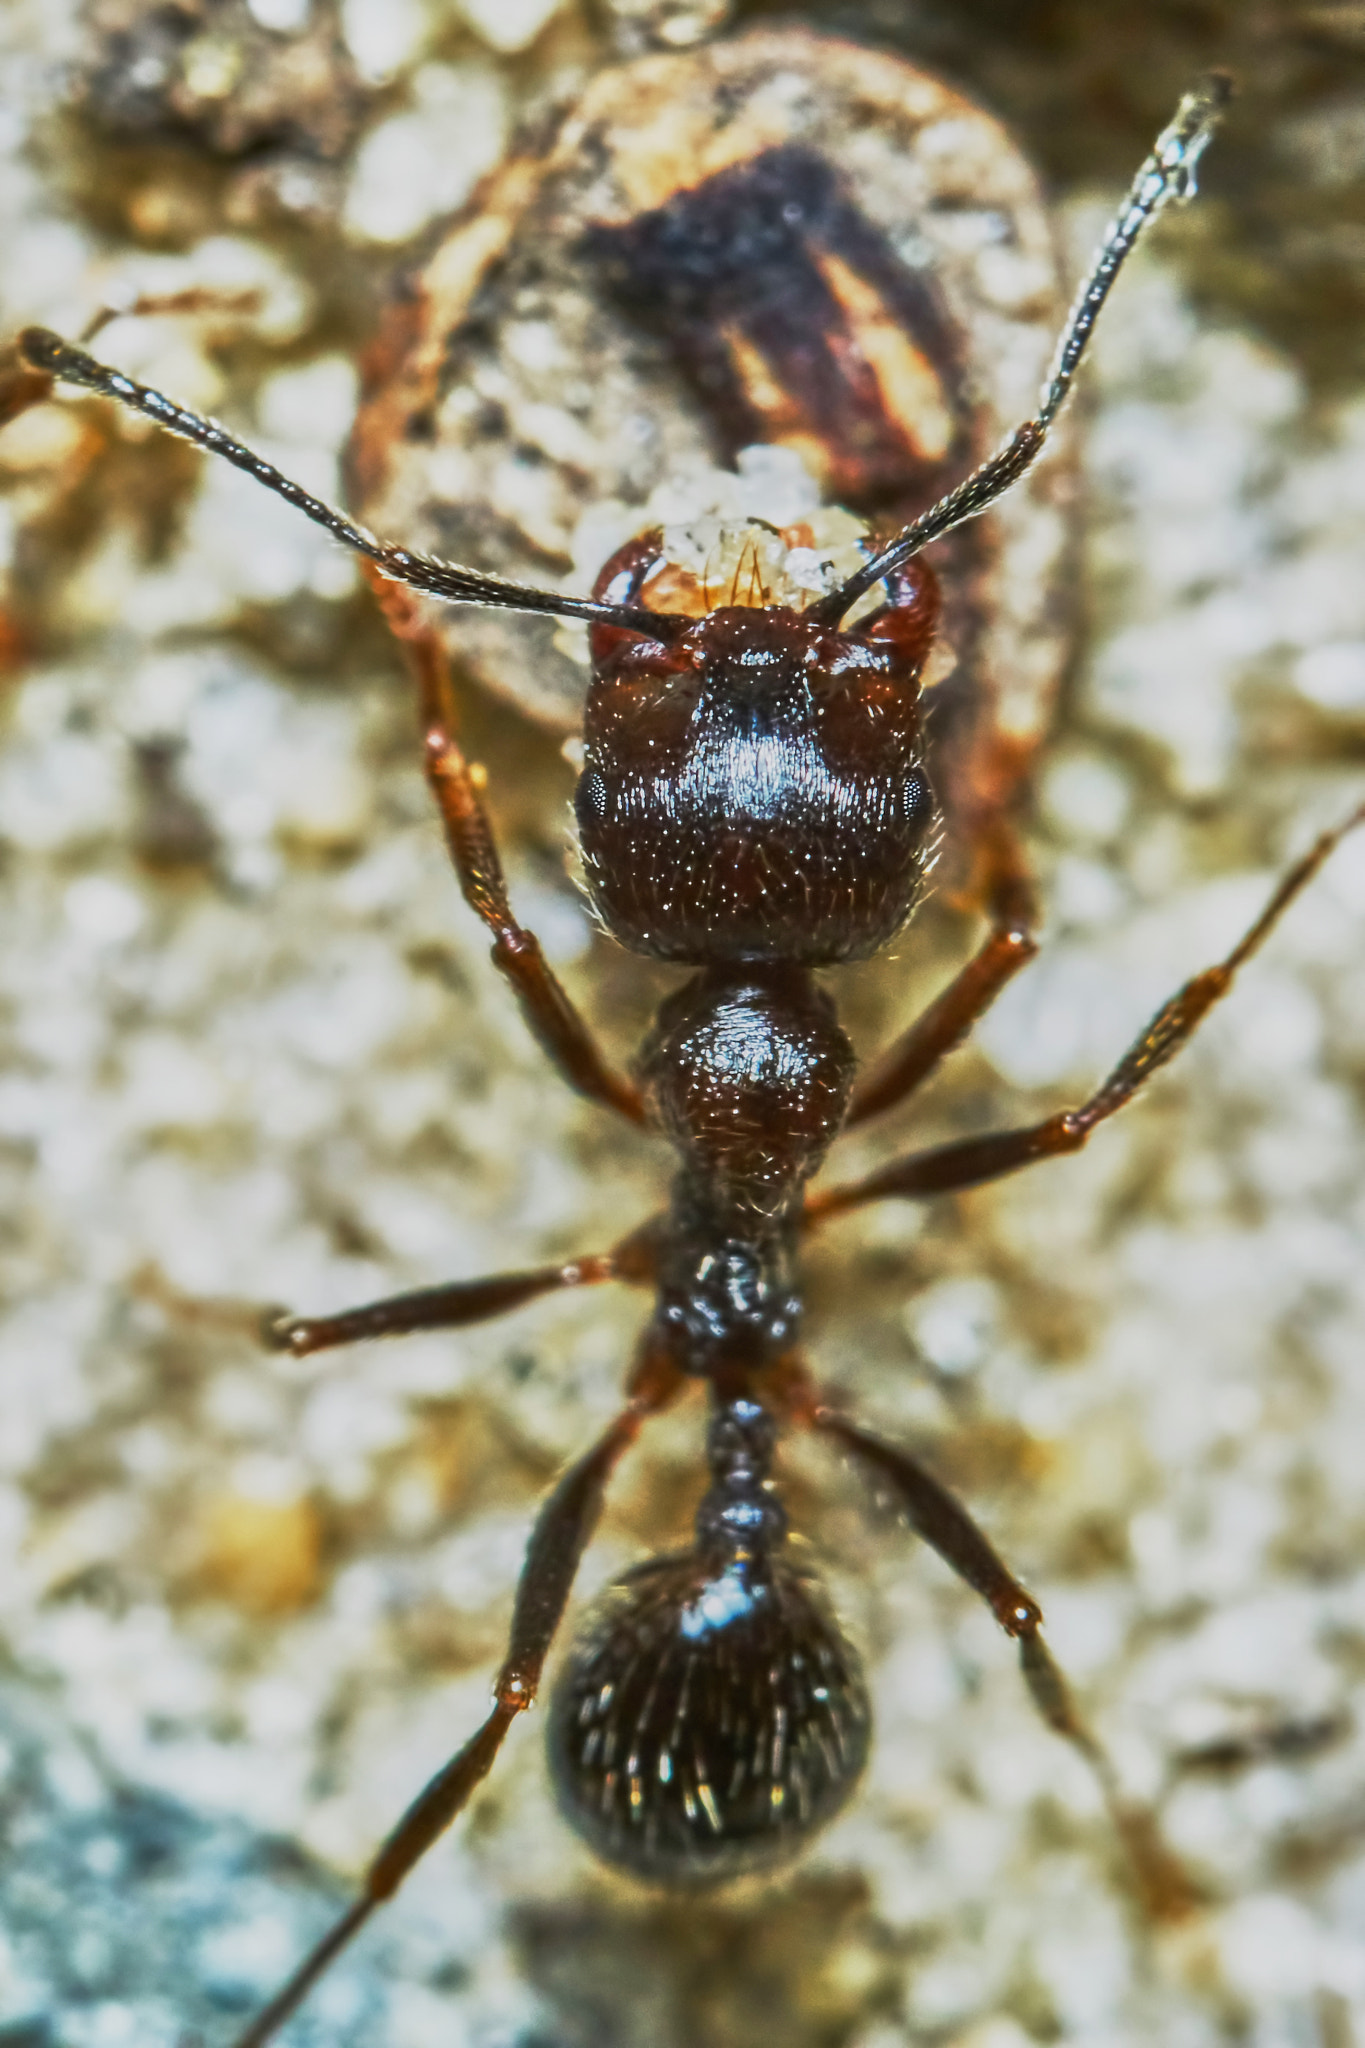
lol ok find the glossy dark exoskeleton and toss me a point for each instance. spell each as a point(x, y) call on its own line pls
point(711, 1709)
point(753, 806)
point(756, 792)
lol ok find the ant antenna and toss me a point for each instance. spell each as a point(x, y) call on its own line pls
point(1167, 174)
point(46, 352)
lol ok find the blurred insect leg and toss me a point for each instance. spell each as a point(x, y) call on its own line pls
point(912, 1057)
point(1001, 880)
point(944, 1524)
point(563, 1530)
point(971, 1161)
point(1162, 1883)
point(550, 1016)
point(195, 300)
point(22, 386)
point(932, 1512)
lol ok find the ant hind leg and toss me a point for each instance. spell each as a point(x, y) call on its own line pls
point(1165, 1890)
point(563, 1530)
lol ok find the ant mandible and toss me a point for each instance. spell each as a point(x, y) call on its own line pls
point(753, 806)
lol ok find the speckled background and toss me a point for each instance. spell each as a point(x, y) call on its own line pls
point(252, 1052)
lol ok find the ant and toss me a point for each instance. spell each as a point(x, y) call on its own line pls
point(753, 806)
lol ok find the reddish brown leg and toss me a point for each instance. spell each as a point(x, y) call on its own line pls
point(933, 1514)
point(971, 1161)
point(550, 1016)
point(908, 1062)
point(1004, 879)
point(563, 1530)
point(945, 1525)
point(461, 1302)
point(452, 1307)
point(194, 300)
point(985, 781)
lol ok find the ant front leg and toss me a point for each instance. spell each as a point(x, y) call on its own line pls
point(970, 1162)
point(563, 1530)
point(928, 1508)
point(455, 782)
point(909, 1061)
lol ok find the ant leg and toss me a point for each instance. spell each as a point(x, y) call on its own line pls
point(969, 1162)
point(1003, 881)
point(40, 358)
point(453, 1307)
point(455, 782)
point(562, 1532)
point(912, 1057)
point(945, 1525)
point(195, 299)
point(936, 1516)
point(459, 1303)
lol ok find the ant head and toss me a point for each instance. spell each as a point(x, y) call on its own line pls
point(753, 784)
point(752, 568)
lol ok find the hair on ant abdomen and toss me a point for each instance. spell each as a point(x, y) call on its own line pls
point(754, 807)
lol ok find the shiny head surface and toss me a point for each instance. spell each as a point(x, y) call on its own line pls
point(753, 787)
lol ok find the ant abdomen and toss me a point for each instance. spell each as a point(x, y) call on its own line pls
point(708, 1721)
point(711, 1715)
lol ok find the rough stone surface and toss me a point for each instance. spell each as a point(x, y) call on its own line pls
point(251, 1050)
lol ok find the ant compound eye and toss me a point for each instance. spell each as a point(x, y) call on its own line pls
point(590, 798)
point(917, 801)
point(707, 1723)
